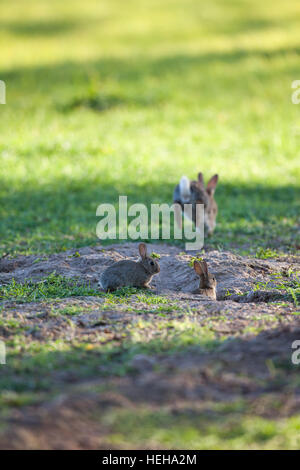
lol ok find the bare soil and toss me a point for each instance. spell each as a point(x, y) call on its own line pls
point(253, 362)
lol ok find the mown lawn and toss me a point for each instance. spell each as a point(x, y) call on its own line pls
point(121, 98)
point(108, 98)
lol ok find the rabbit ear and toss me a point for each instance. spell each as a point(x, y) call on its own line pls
point(198, 268)
point(204, 268)
point(143, 250)
point(211, 185)
point(201, 180)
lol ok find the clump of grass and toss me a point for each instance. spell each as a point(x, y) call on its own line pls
point(193, 259)
point(72, 310)
point(295, 294)
point(53, 286)
point(286, 281)
point(75, 255)
point(265, 253)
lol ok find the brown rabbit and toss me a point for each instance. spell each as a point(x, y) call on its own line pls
point(130, 273)
point(194, 192)
point(208, 282)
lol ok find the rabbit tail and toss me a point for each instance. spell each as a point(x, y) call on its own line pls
point(185, 189)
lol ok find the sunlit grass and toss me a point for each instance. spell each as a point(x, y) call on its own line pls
point(222, 426)
point(105, 98)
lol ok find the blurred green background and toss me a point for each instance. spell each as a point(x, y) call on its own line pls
point(112, 97)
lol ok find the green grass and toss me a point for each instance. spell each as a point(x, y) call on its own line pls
point(121, 98)
point(51, 287)
point(226, 427)
point(41, 366)
point(109, 98)
point(287, 282)
point(56, 286)
point(40, 369)
point(266, 253)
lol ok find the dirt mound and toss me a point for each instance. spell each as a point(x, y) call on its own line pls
point(183, 355)
point(235, 274)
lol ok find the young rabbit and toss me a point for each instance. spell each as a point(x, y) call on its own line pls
point(208, 283)
point(194, 192)
point(130, 273)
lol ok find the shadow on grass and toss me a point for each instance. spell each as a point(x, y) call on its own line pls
point(136, 68)
point(195, 391)
point(190, 398)
point(36, 29)
point(44, 367)
point(55, 364)
point(53, 219)
point(44, 219)
point(60, 80)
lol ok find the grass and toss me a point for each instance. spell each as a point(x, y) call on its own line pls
point(121, 98)
point(53, 286)
point(40, 366)
point(225, 427)
point(56, 286)
point(106, 114)
point(266, 253)
point(287, 282)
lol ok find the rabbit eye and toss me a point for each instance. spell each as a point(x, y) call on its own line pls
point(152, 263)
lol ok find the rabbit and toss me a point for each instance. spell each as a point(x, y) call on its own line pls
point(130, 273)
point(194, 192)
point(208, 282)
